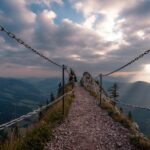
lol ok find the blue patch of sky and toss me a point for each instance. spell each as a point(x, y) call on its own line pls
point(36, 8)
point(5, 7)
point(63, 11)
point(66, 11)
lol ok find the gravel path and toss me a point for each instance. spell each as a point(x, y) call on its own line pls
point(88, 127)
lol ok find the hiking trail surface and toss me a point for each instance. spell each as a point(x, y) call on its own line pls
point(88, 127)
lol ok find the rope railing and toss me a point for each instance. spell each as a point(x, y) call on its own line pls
point(28, 115)
point(64, 68)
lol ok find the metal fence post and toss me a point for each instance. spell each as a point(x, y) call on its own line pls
point(100, 78)
point(63, 89)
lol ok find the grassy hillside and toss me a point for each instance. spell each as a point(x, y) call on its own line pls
point(18, 97)
point(37, 134)
point(140, 141)
point(21, 96)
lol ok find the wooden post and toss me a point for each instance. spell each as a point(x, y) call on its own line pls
point(63, 89)
point(100, 78)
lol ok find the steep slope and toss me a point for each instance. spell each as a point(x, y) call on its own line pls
point(17, 98)
point(137, 93)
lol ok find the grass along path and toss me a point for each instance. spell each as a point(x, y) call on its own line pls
point(88, 127)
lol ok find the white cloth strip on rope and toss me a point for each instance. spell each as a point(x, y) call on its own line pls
point(14, 121)
point(133, 106)
point(128, 105)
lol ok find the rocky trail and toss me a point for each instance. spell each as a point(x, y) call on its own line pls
point(88, 127)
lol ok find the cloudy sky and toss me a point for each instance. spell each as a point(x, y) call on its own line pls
point(92, 35)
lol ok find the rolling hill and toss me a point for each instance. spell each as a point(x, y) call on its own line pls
point(20, 96)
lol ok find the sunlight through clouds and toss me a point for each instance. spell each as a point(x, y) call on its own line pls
point(93, 34)
point(143, 75)
point(107, 28)
point(141, 34)
point(89, 22)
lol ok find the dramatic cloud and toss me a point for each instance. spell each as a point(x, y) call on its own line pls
point(109, 34)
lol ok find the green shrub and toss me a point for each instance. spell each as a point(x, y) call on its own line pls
point(141, 142)
point(36, 137)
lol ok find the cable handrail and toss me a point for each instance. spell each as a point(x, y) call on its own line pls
point(127, 64)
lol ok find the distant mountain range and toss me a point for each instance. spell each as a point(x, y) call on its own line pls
point(137, 93)
point(20, 96)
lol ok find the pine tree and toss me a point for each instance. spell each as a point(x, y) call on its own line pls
point(47, 102)
point(130, 115)
point(75, 78)
point(114, 91)
point(40, 114)
point(121, 109)
point(3, 136)
point(72, 76)
point(52, 97)
point(59, 89)
point(15, 130)
point(97, 82)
